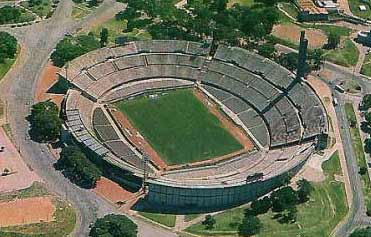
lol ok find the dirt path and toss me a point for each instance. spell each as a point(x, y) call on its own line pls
point(323, 92)
point(291, 32)
point(26, 211)
point(49, 77)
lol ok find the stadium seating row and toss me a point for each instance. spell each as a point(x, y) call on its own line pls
point(271, 71)
point(76, 125)
point(111, 139)
point(261, 93)
point(140, 87)
point(236, 170)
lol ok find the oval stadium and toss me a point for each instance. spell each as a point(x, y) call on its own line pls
point(199, 127)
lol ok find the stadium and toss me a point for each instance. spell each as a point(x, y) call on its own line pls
point(202, 129)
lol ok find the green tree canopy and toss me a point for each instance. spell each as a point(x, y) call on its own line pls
point(304, 190)
point(114, 226)
point(283, 198)
point(9, 14)
point(209, 222)
point(103, 37)
point(77, 167)
point(72, 47)
point(45, 122)
point(260, 206)
point(8, 46)
point(361, 232)
point(250, 226)
point(368, 145)
point(366, 102)
point(333, 41)
point(368, 117)
point(201, 19)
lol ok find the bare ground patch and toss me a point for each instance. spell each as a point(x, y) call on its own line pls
point(291, 32)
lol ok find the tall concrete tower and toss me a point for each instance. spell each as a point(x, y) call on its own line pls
point(303, 47)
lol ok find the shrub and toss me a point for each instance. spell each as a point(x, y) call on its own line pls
point(250, 226)
point(114, 226)
point(77, 167)
point(45, 122)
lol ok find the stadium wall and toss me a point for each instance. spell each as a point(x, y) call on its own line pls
point(211, 198)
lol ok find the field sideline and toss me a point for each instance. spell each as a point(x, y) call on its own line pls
point(179, 127)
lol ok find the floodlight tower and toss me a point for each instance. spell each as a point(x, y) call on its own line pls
point(145, 172)
point(303, 48)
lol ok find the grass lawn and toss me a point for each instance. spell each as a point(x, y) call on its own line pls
point(247, 3)
point(179, 127)
point(65, 217)
point(346, 55)
point(366, 67)
point(116, 28)
point(354, 7)
point(164, 219)
point(334, 29)
point(4, 67)
point(318, 217)
point(80, 11)
point(360, 155)
point(290, 9)
point(43, 8)
point(190, 217)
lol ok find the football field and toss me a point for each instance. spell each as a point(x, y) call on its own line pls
point(179, 127)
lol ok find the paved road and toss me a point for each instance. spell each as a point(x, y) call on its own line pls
point(356, 215)
point(18, 87)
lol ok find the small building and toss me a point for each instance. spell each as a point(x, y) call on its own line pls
point(362, 8)
point(329, 5)
point(310, 12)
point(364, 38)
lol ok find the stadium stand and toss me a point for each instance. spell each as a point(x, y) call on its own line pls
point(141, 87)
point(258, 94)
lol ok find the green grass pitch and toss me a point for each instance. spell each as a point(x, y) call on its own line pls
point(179, 127)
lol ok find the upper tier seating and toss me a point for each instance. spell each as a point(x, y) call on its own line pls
point(111, 139)
point(261, 93)
point(136, 88)
point(310, 109)
point(273, 72)
point(76, 124)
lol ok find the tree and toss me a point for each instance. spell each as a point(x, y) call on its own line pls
point(366, 102)
point(362, 170)
point(45, 122)
point(333, 41)
point(288, 60)
point(209, 222)
point(114, 226)
point(368, 145)
point(260, 206)
point(266, 50)
point(287, 216)
point(316, 59)
point(103, 37)
point(9, 14)
point(283, 199)
point(269, 2)
point(250, 226)
point(361, 232)
point(304, 190)
point(72, 47)
point(77, 167)
point(368, 117)
point(8, 46)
